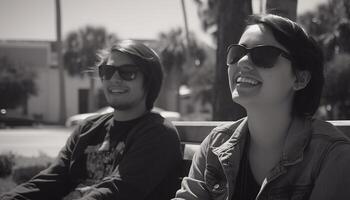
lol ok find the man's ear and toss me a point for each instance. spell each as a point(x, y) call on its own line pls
point(302, 78)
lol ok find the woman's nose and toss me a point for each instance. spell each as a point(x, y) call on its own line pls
point(245, 63)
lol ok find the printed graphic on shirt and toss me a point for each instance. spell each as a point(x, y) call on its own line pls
point(100, 164)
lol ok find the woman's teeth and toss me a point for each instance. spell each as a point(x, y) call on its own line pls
point(246, 80)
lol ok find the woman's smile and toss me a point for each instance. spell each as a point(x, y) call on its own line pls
point(246, 81)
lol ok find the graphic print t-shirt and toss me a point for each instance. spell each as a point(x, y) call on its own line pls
point(102, 159)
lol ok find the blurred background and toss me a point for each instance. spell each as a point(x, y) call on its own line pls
point(46, 45)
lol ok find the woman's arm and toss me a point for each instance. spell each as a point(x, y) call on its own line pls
point(193, 186)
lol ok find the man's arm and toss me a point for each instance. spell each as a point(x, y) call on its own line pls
point(149, 158)
point(51, 183)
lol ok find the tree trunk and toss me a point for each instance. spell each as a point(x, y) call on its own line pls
point(92, 96)
point(231, 22)
point(170, 92)
point(62, 115)
point(285, 8)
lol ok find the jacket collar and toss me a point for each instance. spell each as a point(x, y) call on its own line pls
point(228, 148)
point(231, 149)
point(298, 137)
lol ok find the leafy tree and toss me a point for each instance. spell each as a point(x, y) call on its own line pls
point(202, 78)
point(81, 47)
point(330, 25)
point(208, 13)
point(177, 63)
point(325, 18)
point(16, 83)
point(173, 56)
point(337, 88)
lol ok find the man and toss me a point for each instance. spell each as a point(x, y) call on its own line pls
point(131, 153)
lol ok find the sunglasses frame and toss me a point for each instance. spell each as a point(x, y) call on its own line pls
point(270, 64)
point(121, 71)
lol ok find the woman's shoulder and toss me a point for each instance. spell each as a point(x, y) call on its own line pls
point(229, 125)
point(327, 131)
point(328, 139)
point(230, 129)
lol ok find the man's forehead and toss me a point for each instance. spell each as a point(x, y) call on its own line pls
point(119, 58)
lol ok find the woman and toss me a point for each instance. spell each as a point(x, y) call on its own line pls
point(278, 151)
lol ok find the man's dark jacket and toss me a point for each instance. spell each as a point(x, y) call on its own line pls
point(148, 169)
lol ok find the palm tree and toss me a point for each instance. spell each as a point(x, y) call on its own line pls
point(81, 47)
point(173, 50)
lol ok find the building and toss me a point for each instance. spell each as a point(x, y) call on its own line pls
point(41, 56)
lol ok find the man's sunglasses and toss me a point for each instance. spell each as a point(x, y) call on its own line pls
point(127, 72)
point(263, 56)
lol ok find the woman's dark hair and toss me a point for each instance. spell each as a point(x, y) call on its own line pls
point(148, 61)
point(306, 55)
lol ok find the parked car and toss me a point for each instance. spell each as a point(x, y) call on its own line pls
point(76, 119)
point(7, 121)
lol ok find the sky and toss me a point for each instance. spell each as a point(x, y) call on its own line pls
point(128, 19)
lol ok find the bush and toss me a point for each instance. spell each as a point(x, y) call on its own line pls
point(6, 164)
point(25, 173)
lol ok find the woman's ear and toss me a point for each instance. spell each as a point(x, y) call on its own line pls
point(302, 78)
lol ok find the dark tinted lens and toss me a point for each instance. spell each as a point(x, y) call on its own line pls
point(106, 71)
point(128, 73)
point(264, 56)
point(261, 56)
point(235, 52)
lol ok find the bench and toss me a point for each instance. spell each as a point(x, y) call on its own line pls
point(192, 133)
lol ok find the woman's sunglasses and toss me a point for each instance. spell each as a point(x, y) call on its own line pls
point(127, 72)
point(263, 56)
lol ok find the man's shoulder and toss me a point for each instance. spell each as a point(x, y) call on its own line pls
point(96, 120)
point(153, 125)
point(156, 121)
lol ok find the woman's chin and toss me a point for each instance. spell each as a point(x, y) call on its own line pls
point(241, 99)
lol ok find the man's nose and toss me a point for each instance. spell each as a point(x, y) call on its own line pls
point(116, 76)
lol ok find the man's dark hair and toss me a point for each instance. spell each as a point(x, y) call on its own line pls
point(306, 55)
point(148, 61)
